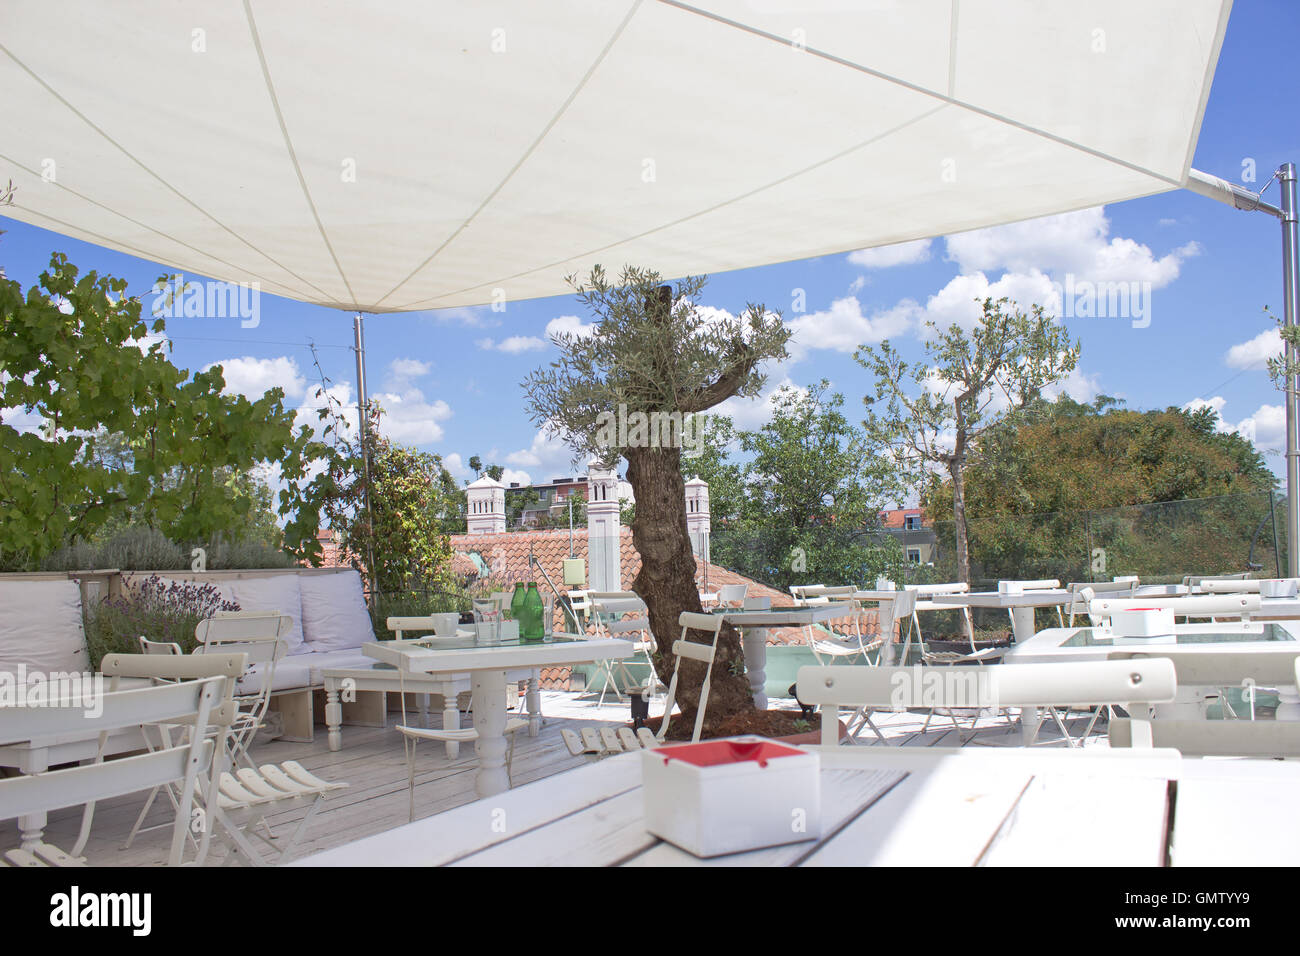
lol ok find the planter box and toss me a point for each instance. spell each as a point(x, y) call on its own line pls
point(731, 795)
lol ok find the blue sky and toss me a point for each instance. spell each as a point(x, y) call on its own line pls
point(450, 380)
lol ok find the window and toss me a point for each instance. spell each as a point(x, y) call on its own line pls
point(914, 555)
point(912, 523)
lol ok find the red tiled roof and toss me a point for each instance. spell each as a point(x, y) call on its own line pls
point(895, 517)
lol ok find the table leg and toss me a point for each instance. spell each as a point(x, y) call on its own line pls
point(534, 702)
point(885, 623)
point(451, 721)
point(31, 826)
point(754, 642)
point(333, 716)
point(1028, 725)
point(489, 695)
point(1022, 624)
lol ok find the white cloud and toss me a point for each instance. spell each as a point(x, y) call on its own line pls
point(547, 453)
point(1254, 353)
point(511, 476)
point(748, 414)
point(570, 324)
point(514, 345)
point(1265, 429)
point(956, 302)
point(456, 465)
point(409, 368)
point(1072, 242)
point(886, 257)
point(252, 377)
point(843, 327)
point(474, 317)
point(409, 418)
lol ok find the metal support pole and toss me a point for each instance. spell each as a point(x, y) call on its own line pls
point(1223, 191)
point(1290, 294)
point(363, 431)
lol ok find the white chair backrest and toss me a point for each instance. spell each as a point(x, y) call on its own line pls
point(613, 596)
point(1215, 605)
point(904, 604)
point(185, 667)
point(840, 591)
point(732, 593)
point(1111, 589)
point(256, 633)
point(616, 607)
point(1230, 587)
point(757, 604)
point(1196, 666)
point(927, 590)
point(158, 647)
point(1196, 580)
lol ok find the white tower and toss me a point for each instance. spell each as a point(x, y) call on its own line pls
point(605, 572)
point(487, 506)
point(697, 517)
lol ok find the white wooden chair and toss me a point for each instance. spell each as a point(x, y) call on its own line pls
point(830, 647)
point(1213, 606)
point(260, 636)
point(611, 620)
point(1132, 684)
point(596, 743)
point(704, 653)
point(235, 804)
point(193, 701)
point(732, 595)
point(1220, 738)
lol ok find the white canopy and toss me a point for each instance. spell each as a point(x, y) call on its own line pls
point(408, 154)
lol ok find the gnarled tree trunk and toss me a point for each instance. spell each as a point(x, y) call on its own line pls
point(666, 582)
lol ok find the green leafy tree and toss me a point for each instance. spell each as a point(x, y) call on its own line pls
point(124, 432)
point(652, 353)
point(1158, 492)
point(808, 499)
point(927, 414)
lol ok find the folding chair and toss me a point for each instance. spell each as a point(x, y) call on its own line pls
point(610, 621)
point(732, 595)
point(234, 804)
point(1132, 684)
point(192, 701)
point(257, 634)
point(704, 653)
point(598, 743)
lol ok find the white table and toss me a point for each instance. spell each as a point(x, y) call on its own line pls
point(754, 625)
point(390, 680)
point(487, 666)
point(881, 806)
point(1053, 645)
point(1020, 605)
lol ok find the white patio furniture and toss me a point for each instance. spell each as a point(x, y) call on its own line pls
point(55, 789)
point(610, 615)
point(702, 653)
point(1029, 685)
point(487, 666)
point(1020, 605)
point(596, 743)
point(732, 595)
point(896, 806)
point(1228, 606)
point(235, 805)
point(754, 626)
point(259, 635)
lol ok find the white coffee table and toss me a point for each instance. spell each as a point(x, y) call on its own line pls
point(340, 682)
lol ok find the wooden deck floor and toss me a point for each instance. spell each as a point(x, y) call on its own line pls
point(372, 762)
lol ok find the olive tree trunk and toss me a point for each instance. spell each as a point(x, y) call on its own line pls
point(666, 582)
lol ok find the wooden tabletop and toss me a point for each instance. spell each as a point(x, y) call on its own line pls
point(886, 806)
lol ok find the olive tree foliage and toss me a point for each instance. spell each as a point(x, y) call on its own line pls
point(925, 415)
point(656, 353)
point(96, 424)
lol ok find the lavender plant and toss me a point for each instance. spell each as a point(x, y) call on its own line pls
point(158, 610)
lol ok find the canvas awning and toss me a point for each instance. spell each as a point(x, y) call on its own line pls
point(388, 156)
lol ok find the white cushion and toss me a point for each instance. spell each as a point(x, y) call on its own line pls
point(277, 592)
point(40, 626)
point(334, 615)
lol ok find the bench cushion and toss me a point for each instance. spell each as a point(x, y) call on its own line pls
point(334, 615)
point(41, 628)
point(278, 592)
point(303, 670)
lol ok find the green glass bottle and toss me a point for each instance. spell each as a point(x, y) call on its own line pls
point(534, 613)
point(518, 607)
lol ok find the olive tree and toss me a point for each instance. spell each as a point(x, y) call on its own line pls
point(635, 387)
point(925, 415)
